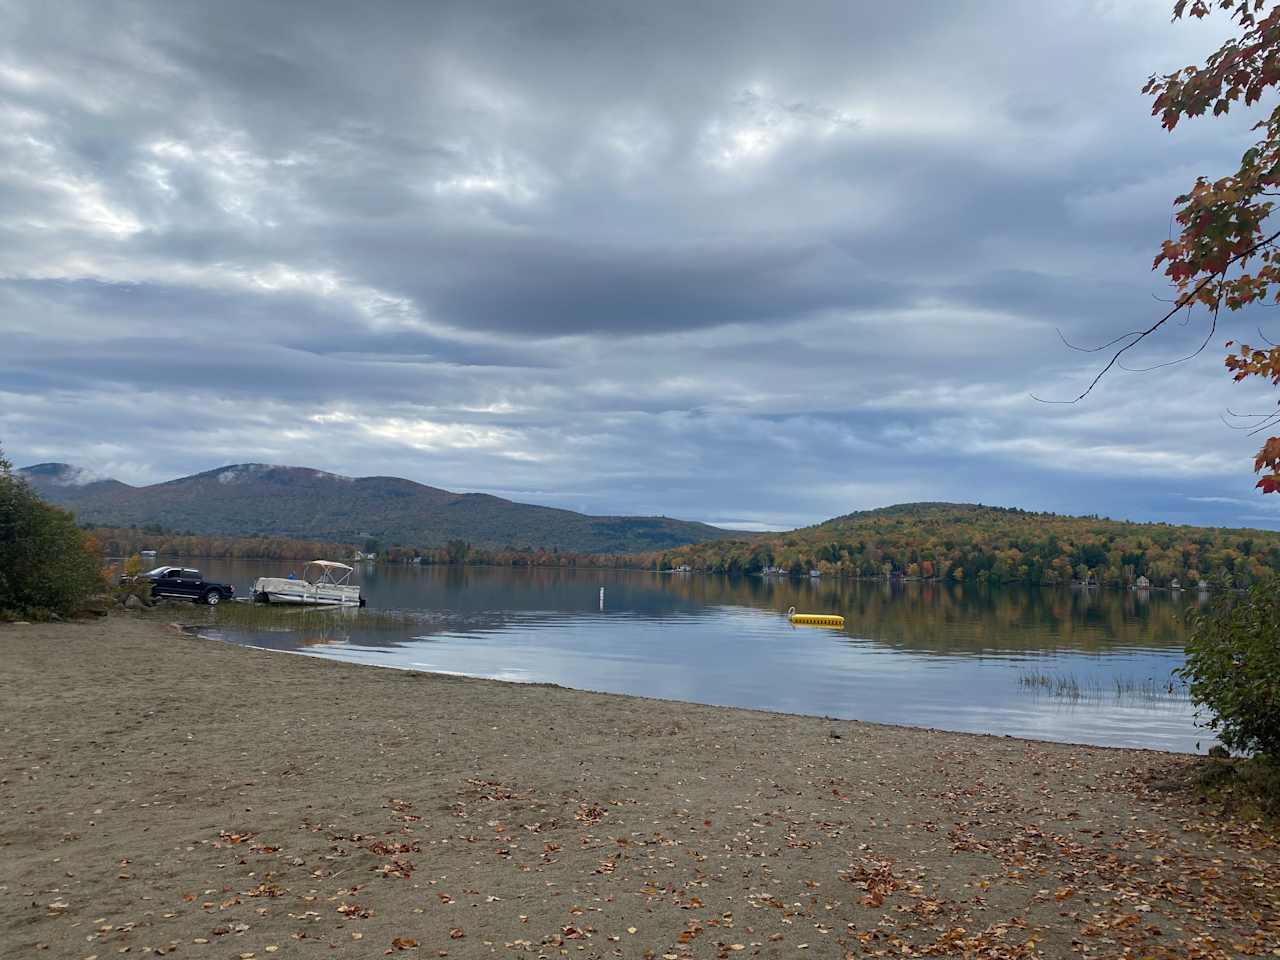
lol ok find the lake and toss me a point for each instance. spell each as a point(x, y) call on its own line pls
point(1084, 666)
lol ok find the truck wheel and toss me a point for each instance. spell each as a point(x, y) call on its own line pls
point(212, 597)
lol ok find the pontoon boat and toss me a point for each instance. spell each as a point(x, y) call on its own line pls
point(323, 583)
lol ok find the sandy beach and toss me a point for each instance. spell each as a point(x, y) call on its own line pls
point(168, 795)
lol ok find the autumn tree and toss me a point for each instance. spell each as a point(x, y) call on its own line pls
point(48, 565)
point(1225, 253)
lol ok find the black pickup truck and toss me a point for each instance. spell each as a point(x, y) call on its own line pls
point(183, 583)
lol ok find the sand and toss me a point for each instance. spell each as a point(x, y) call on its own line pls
point(165, 795)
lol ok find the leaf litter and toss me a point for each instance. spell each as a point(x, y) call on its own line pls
point(534, 821)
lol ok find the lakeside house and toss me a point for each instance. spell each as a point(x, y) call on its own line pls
point(1142, 583)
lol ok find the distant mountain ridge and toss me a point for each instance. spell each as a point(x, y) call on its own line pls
point(257, 499)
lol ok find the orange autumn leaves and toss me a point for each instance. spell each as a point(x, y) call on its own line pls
point(1251, 362)
point(1223, 255)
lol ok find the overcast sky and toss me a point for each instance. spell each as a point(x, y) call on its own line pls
point(746, 262)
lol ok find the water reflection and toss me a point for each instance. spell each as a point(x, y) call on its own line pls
point(926, 654)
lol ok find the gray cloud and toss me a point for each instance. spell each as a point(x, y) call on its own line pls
point(750, 263)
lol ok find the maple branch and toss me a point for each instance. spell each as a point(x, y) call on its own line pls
point(1183, 301)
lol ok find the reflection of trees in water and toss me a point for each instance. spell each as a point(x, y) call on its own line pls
point(924, 616)
point(935, 616)
point(943, 617)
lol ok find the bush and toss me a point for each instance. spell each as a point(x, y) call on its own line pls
point(48, 565)
point(1233, 668)
point(1246, 789)
point(129, 585)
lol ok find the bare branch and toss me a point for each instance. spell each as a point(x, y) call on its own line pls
point(1264, 425)
point(1185, 300)
point(1213, 325)
point(1109, 343)
point(1247, 416)
point(1265, 422)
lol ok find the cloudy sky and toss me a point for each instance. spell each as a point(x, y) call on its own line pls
point(746, 262)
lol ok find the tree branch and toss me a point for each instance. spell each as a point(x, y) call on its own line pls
point(1213, 325)
point(1186, 300)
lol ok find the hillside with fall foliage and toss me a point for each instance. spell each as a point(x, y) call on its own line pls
point(926, 541)
point(969, 542)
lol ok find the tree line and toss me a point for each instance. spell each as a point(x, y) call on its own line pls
point(953, 542)
point(127, 541)
point(966, 542)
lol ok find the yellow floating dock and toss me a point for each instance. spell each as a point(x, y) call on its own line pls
point(815, 619)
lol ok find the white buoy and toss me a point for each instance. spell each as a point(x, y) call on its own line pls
point(602, 599)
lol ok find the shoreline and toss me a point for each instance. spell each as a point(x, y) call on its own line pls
point(779, 578)
point(210, 799)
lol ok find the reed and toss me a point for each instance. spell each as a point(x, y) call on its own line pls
point(276, 617)
point(1066, 686)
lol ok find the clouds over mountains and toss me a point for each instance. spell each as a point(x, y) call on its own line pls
point(744, 263)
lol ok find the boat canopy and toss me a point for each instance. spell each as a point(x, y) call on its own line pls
point(326, 571)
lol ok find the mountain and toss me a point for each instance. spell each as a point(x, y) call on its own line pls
point(256, 499)
point(61, 482)
point(970, 542)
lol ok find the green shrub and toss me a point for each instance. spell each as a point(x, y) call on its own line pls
point(1233, 668)
point(48, 565)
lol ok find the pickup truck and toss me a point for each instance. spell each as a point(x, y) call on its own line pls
point(183, 583)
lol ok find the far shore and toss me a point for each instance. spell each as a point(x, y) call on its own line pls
point(781, 578)
point(163, 794)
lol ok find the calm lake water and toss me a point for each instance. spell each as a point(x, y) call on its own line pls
point(1055, 664)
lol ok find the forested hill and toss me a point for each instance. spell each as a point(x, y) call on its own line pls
point(970, 542)
point(957, 541)
point(261, 500)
